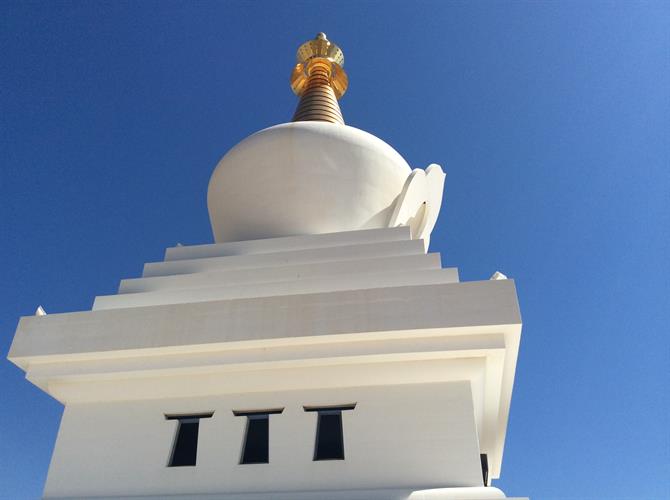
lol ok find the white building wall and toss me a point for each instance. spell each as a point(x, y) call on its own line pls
point(414, 436)
point(365, 317)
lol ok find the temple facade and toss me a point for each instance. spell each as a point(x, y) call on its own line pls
point(315, 350)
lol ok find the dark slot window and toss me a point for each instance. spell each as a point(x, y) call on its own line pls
point(256, 440)
point(185, 448)
point(485, 468)
point(329, 443)
point(256, 447)
point(329, 439)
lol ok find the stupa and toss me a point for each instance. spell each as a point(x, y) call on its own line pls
point(316, 350)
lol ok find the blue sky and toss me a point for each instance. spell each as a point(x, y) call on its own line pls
point(551, 119)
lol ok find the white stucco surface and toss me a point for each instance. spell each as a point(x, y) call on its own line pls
point(397, 436)
point(459, 493)
point(364, 316)
point(306, 178)
point(274, 245)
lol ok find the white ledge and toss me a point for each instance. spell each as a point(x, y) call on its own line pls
point(473, 493)
point(345, 252)
point(360, 281)
point(275, 274)
point(288, 243)
point(377, 310)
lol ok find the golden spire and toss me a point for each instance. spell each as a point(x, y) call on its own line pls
point(319, 80)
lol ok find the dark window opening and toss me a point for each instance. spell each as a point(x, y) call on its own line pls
point(329, 443)
point(485, 468)
point(256, 447)
point(185, 448)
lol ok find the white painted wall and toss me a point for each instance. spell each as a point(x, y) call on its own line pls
point(363, 316)
point(417, 435)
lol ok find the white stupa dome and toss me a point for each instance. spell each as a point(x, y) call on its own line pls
point(317, 175)
point(304, 178)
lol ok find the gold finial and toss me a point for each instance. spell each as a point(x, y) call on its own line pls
point(319, 80)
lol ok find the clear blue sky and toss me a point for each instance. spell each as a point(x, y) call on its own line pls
point(551, 120)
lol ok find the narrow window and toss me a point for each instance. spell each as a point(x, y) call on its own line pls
point(485, 468)
point(329, 443)
point(256, 447)
point(185, 447)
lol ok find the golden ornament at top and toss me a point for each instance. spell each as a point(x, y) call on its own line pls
point(319, 52)
point(320, 47)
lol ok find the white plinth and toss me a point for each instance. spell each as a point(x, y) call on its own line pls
point(364, 317)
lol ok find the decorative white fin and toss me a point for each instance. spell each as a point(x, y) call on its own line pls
point(498, 276)
point(419, 202)
point(40, 311)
